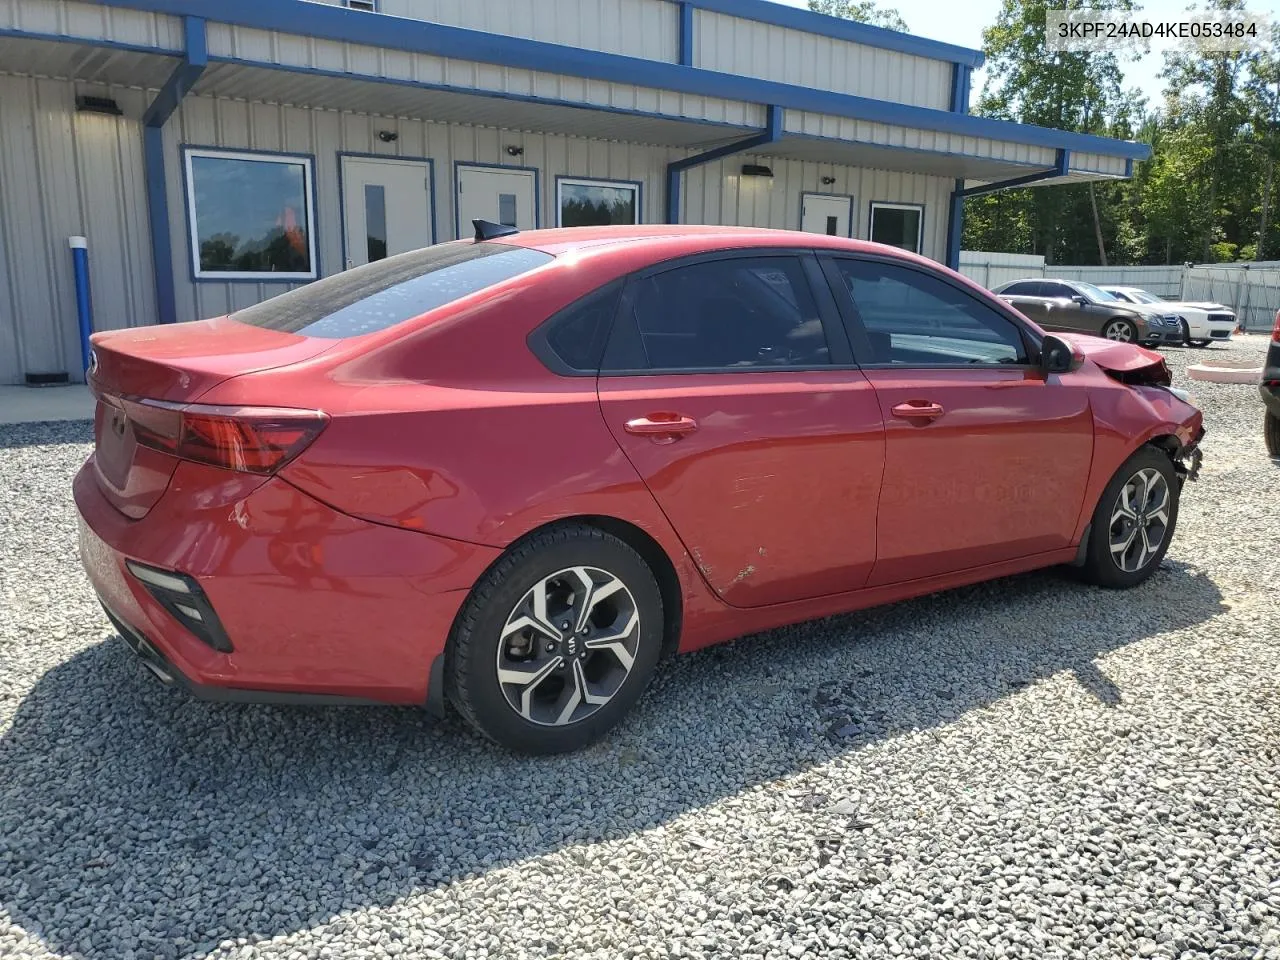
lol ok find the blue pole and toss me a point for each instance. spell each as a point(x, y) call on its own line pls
point(84, 306)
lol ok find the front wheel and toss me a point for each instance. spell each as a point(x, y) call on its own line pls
point(1120, 330)
point(556, 642)
point(1199, 344)
point(1271, 433)
point(1134, 521)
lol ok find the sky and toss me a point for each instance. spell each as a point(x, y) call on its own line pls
point(962, 24)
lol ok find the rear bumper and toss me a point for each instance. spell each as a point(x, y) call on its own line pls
point(318, 607)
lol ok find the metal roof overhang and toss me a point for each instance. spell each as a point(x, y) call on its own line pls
point(117, 64)
point(392, 98)
point(936, 163)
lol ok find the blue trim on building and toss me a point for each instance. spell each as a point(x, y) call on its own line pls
point(794, 18)
point(185, 74)
point(961, 76)
point(686, 36)
point(419, 36)
point(771, 134)
point(9, 32)
point(955, 225)
point(604, 182)
point(1128, 167)
point(313, 214)
point(457, 191)
point(84, 300)
point(834, 196)
point(342, 203)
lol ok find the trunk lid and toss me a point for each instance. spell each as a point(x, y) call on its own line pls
point(176, 363)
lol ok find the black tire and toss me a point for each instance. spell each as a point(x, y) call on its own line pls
point(1199, 344)
point(1130, 328)
point(472, 658)
point(1101, 566)
point(1271, 433)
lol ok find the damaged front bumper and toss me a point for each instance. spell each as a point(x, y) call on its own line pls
point(1187, 461)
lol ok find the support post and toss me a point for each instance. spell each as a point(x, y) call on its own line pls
point(84, 298)
point(771, 134)
point(183, 78)
point(685, 32)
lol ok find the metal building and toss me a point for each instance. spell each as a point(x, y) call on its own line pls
point(215, 154)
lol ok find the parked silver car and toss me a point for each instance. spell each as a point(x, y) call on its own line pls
point(1079, 307)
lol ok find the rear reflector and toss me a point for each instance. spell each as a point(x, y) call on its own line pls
point(185, 600)
point(248, 439)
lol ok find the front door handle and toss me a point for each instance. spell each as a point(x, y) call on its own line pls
point(919, 410)
point(661, 427)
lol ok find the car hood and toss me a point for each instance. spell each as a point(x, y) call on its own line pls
point(1115, 357)
point(1199, 305)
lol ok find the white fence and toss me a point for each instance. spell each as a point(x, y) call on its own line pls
point(1252, 290)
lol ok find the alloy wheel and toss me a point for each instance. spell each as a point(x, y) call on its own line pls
point(1139, 519)
point(568, 646)
point(1118, 330)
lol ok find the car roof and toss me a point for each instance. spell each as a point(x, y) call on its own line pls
point(665, 241)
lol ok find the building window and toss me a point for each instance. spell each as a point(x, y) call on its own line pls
point(368, 6)
point(591, 203)
point(898, 225)
point(251, 216)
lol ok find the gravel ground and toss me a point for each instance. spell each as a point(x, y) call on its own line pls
point(1024, 768)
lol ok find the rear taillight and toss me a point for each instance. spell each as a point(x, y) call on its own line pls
point(1275, 331)
point(248, 439)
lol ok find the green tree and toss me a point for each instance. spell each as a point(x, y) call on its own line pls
point(1029, 83)
point(863, 11)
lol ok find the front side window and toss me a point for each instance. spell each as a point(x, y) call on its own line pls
point(381, 294)
point(251, 216)
point(736, 313)
point(594, 203)
point(1022, 288)
point(912, 318)
point(897, 224)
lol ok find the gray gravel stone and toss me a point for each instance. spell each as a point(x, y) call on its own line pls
point(1023, 768)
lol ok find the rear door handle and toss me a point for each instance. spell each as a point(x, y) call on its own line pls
point(662, 427)
point(919, 410)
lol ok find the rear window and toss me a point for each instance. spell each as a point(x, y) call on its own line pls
point(380, 295)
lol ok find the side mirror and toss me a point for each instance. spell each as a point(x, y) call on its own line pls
point(1080, 299)
point(1058, 356)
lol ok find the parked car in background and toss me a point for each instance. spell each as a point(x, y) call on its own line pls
point(1205, 322)
point(1079, 307)
point(1270, 389)
point(511, 474)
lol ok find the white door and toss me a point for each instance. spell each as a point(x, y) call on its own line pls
point(387, 207)
point(822, 214)
point(498, 195)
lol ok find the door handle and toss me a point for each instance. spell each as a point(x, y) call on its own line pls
point(919, 410)
point(661, 427)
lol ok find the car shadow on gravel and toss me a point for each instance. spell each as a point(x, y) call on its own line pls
point(45, 433)
point(136, 821)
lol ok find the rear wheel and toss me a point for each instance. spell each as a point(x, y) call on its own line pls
point(1271, 433)
point(1134, 521)
point(557, 641)
point(1120, 330)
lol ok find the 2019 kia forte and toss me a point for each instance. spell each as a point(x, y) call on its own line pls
point(510, 474)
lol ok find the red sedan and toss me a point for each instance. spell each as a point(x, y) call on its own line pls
point(510, 474)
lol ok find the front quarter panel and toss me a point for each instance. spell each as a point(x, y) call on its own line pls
point(1126, 417)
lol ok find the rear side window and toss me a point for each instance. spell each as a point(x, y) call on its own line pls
point(571, 341)
point(736, 313)
point(380, 295)
point(1023, 288)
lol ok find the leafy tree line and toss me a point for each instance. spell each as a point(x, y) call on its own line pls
point(1209, 191)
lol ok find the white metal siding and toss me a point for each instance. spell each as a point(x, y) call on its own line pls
point(717, 193)
point(748, 48)
point(243, 43)
point(637, 28)
point(864, 131)
point(992, 269)
point(1097, 163)
point(66, 174)
point(92, 21)
point(713, 193)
